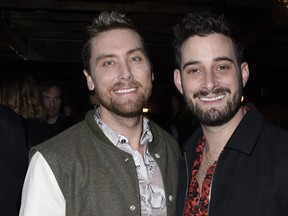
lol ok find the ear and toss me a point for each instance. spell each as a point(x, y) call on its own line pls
point(245, 72)
point(89, 80)
point(177, 80)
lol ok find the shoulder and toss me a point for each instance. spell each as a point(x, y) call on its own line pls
point(11, 127)
point(275, 132)
point(63, 141)
point(162, 138)
point(191, 143)
point(160, 132)
point(8, 116)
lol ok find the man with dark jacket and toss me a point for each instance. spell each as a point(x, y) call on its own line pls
point(236, 162)
point(52, 101)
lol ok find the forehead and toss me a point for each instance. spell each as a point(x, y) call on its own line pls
point(116, 41)
point(53, 90)
point(211, 46)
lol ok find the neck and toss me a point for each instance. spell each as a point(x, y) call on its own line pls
point(211, 156)
point(52, 120)
point(217, 137)
point(129, 127)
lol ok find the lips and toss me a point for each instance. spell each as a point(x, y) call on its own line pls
point(216, 94)
point(126, 87)
point(123, 91)
point(212, 98)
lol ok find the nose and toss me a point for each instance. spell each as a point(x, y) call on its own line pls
point(51, 102)
point(210, 81)
point(125, 71)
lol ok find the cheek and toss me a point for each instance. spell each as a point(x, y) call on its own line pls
point(189, 85)
point(234, 83)
point(45, 103)
point(147, 82)
point(144, 78)
point(103, 83)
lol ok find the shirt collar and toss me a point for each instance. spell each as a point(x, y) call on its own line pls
point(116, 137)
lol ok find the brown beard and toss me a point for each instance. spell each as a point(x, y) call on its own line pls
point(130, 108)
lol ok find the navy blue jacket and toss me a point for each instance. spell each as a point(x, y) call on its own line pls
point(251, 176)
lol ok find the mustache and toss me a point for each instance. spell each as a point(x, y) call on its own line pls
point(130, 84)
point(220, 90)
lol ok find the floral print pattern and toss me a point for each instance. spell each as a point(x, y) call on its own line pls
point(197, 202)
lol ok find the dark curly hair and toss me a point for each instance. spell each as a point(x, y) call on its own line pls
point(203, 24)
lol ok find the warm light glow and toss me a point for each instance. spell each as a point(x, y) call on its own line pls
point(242, 98)
point(145, 110)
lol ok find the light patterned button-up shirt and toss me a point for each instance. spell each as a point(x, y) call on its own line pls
point(151, 187)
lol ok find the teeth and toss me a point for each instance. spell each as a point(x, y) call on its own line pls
point(212, 98)
point(125, 90)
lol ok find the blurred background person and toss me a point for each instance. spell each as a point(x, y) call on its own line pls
point(52, 102)
point(21, 94)
point(13, 161)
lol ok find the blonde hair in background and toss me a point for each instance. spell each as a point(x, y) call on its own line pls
point(22, 95)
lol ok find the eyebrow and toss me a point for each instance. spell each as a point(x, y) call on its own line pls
point(193, 62)
point(104, 56)
point(113, 55)
point(136, 50)
point(190, 62)
point(223, 58)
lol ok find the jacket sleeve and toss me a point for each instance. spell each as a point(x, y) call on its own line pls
point(41, 193)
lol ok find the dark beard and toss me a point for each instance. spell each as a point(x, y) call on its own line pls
point(215, 117)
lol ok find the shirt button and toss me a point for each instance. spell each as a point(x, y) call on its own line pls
point(132, 207)
point(157, 155)
point(126, 159)
point(170, 197)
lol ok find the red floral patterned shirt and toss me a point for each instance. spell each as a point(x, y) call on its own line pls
point(196, 202)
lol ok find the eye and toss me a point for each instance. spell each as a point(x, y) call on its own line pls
point(223, 68)
point(46, 98)
point(192, 70)
point(135, 59)
point(57, 99)
point(108, 63)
